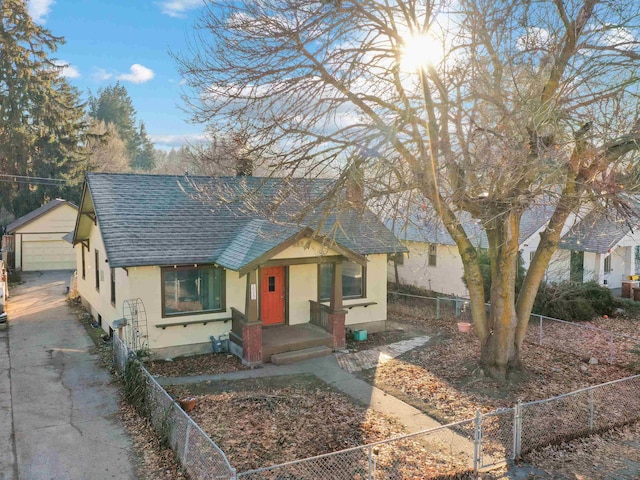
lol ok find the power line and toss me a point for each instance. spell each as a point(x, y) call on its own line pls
point(23, 179)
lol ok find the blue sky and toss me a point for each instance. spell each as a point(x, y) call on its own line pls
point(129, 41)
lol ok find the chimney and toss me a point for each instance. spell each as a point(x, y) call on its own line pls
point(355, 186)
point(244, 166)
point(242, 158)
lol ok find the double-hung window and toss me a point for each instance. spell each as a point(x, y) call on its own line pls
point(433, 254)
point(353, 280)
point(192, 290)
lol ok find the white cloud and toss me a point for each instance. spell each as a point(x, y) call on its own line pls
point(179, 8)
point(101, 75)
point(39, 9)
point(67, 70)
point(169, 141)
point(138, 74)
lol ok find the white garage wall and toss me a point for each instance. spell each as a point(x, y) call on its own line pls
point(39, 244)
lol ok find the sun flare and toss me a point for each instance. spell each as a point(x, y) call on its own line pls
point(420, 51)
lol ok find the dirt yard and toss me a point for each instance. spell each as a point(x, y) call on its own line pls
point(270, 421)
point(205, 364)
point(442, 377)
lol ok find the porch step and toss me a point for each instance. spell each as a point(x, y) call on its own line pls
point(299, 355)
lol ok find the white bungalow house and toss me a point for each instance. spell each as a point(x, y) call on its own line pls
point(593, 247)
point(37, 238)
point(173, 261)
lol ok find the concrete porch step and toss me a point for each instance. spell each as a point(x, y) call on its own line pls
point(299, 355)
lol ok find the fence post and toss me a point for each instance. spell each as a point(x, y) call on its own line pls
point(370, 474)
point(591, 409)
point(457, 308)
point(611, 349)
point(477, 441)
point(186, 444)
point(517, 430)
point(438, 308)
point(540, 325)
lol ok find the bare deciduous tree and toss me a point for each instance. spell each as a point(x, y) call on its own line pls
point(519, 101)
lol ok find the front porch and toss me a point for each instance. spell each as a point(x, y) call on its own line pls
point(290, 338)
point(256, 343)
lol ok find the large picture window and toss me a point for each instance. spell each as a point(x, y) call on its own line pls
point(353, 280)
point(191, 290)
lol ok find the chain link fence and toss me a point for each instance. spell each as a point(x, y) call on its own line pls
point(199, 456)
point(427, 307)
point(582, 340)
point(577, 414)
point(585, 341)
point(456, 450)
point(441, 451)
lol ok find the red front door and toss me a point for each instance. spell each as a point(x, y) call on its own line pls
point(272, 295)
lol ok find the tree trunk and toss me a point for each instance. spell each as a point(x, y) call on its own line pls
point(500, 353)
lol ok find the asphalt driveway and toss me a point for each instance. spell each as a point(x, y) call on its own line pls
point(59, 404)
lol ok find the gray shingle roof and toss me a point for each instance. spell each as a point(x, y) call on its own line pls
point(29, 217)
point(420, 226)
point(167, 220)
point(596, 233)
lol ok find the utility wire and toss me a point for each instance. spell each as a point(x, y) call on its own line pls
point(23, 179)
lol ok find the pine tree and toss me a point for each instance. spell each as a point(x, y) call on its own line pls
point(113, 105)
point(41, 117)
point(145, 153)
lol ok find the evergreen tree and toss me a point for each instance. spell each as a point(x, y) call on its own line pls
point(41, 118)
point(145, 151)
point(113, 105)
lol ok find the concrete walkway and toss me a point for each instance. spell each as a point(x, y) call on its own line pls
point(60, 405)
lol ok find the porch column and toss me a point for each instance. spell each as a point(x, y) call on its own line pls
point(252, 328)
point(336, 320)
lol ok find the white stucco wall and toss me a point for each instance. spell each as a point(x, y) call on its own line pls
point(445, 277)
point(100, 300)
point(376, 291)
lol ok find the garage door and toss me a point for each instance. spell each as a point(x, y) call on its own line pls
point(48, 255)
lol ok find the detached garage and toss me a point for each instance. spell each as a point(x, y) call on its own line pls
point(38, 243)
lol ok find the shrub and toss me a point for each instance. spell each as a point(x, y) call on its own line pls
point(574, 302)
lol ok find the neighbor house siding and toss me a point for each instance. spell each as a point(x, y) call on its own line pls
point(445, 277)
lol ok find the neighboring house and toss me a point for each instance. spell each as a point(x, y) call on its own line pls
point(593, 247)
point(203, 267)
point(37, 238)
point(598, 249)
point(433, 261)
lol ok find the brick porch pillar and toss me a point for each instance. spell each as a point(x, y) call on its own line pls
point(335, 326)
point(252, 344)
